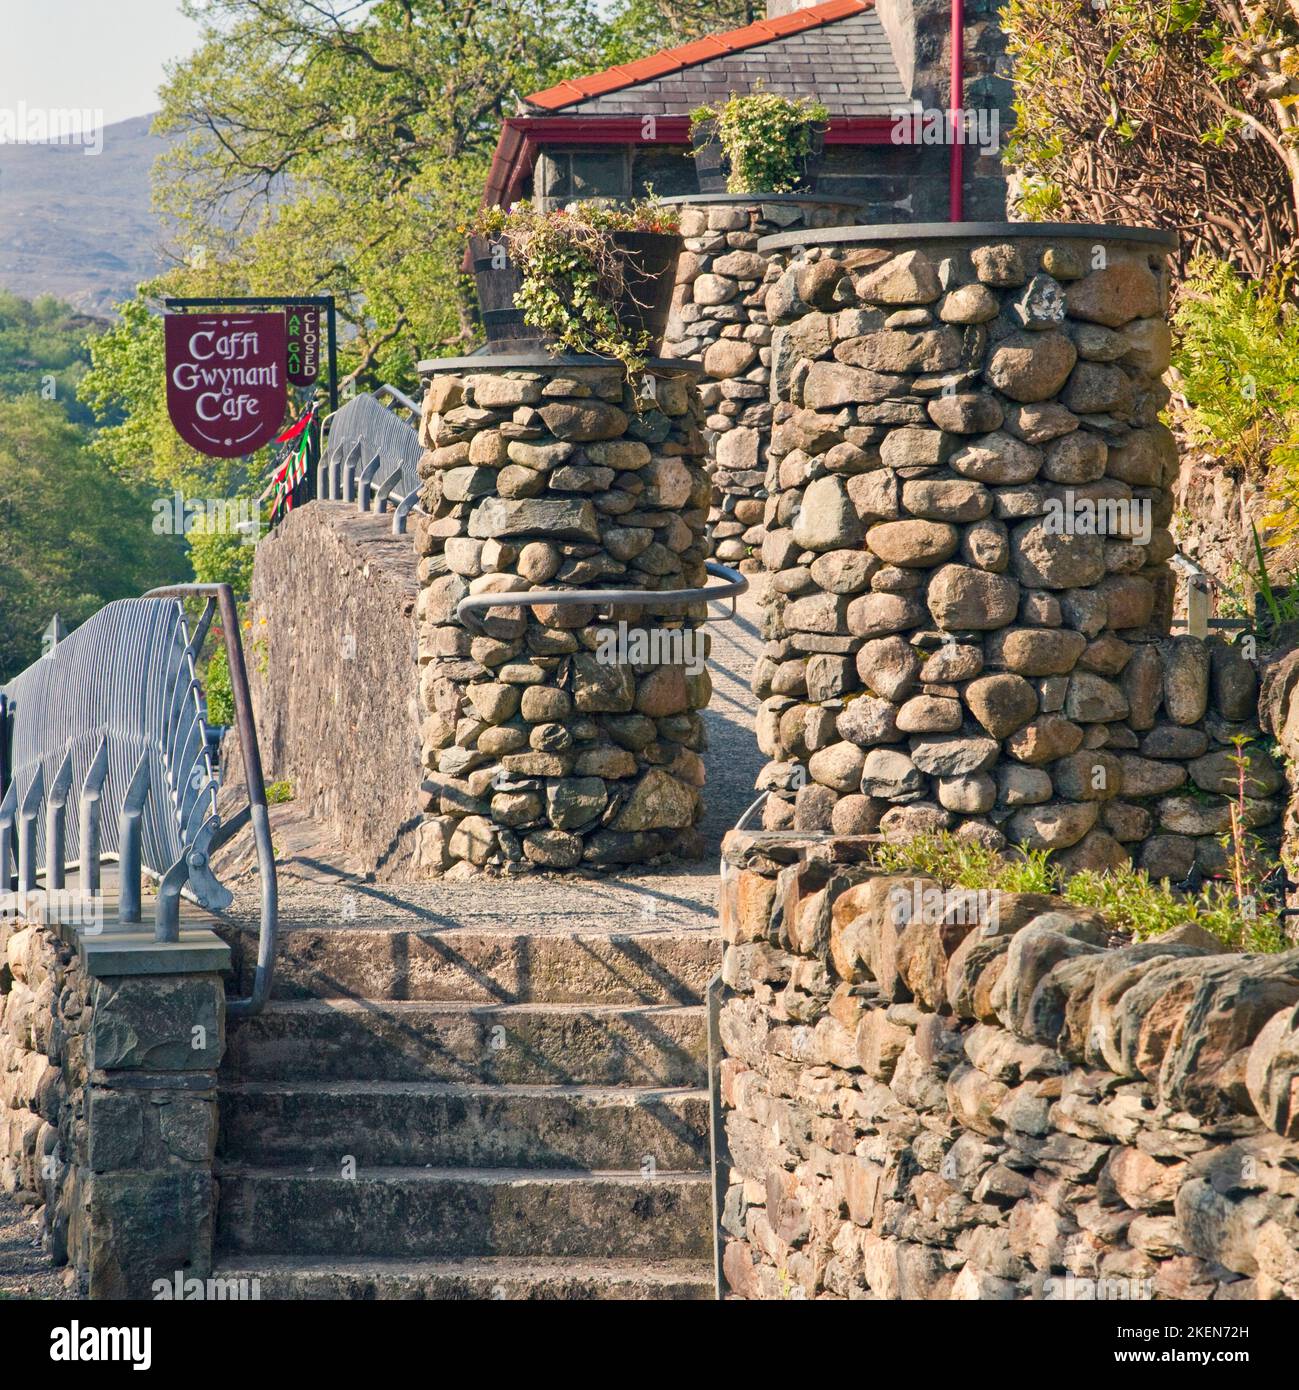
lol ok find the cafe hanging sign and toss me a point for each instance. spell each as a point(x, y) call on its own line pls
point(226, 380)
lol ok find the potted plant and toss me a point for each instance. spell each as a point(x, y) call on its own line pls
point(582, 279)
point(759, 143)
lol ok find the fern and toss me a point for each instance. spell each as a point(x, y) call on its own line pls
point(1238, 365)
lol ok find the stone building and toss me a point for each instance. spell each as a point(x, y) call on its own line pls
point(624, 132)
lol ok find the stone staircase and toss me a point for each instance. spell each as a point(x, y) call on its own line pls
point(471, 1113)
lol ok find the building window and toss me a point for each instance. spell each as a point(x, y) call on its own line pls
point(600, 172)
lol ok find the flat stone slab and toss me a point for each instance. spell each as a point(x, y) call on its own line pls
point(122, 950)
point(543, 360)
point(911, 232)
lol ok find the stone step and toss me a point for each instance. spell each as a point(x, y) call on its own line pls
point(452, 1125)
point(584, 1280)
point(397, 1212)
point(487, 966)
point(512, 1044)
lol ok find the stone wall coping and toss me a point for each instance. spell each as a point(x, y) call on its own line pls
point(739, 199)
point(539, 361)
point(133, 951)
point(968, 231)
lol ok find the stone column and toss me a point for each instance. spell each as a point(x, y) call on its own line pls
point(968, 615)
point(551, 738)
point(113, 1042)
point(719, 320)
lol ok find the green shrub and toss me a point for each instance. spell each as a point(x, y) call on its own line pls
point(1126, 897)
point(216, 684)
point(962, 864)
point(953, 863)
point(1237, 362)
point(1129, 900)
point(1028, 871)
point(766, 139)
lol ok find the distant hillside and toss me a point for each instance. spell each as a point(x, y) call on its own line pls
point(80, 226)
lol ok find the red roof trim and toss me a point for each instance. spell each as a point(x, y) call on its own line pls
point(569, 92)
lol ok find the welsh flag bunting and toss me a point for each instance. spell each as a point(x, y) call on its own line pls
point(294, 431)
point(292, 467)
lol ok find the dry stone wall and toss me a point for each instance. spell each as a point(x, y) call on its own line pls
point(967, 537)
point(552, 739)
point(719, 320)
point(931, 1096)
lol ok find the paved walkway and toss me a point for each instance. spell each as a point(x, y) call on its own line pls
point(679, 895)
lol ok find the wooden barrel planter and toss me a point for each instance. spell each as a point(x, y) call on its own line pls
point(651, 267)
point(713, 167)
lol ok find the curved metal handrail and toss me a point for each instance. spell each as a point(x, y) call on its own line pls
point(400, 397)
point(369, 428)
point(216, 834)
point(120, 689)
point(468, 609)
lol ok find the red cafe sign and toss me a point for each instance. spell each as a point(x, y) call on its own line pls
point(226, 388)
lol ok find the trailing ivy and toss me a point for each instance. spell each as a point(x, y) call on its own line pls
point(767, 139)
point(574, 274)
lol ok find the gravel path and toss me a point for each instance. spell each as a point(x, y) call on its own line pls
point(26, 1271)
point(677, 895)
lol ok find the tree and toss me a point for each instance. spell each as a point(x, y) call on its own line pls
point(72, 535)
point(43, 350)
point(1179, 113)
point(341, 146)
point(638, 27)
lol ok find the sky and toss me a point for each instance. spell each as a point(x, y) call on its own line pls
point(96, 55)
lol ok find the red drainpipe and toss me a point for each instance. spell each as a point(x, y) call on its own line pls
point(956, 197)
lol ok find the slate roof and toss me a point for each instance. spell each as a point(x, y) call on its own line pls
point(837, 52)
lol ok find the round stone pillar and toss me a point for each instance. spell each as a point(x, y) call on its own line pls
point(553, 738)
point(719, 320)
point(967, 533)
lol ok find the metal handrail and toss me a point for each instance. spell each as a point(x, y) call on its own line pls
point(399, 396)
point(716, 1123)
point(222, 597)
point(1199, 600)
point(115, 711)
point(388, 447)
point(125, 714)
point(468, 609)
